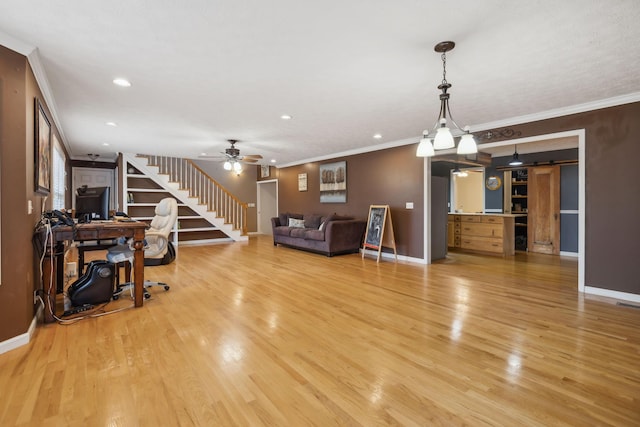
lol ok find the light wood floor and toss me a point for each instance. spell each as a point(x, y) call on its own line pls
point(256, 335)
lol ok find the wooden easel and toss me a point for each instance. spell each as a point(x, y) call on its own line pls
point(379, 231)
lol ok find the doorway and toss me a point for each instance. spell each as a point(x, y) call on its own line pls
point(267, 205)
point(560, 140)
point(96, 177)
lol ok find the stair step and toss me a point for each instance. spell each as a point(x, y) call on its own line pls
point(152, 171)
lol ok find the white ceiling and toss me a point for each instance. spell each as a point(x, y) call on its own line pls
point(204, 71)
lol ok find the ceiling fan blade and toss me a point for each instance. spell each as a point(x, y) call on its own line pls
point(252, 156)
point(244, 160)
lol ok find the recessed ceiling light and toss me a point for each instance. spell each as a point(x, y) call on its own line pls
point(203, 154)
point(111, 124)
point(106, 144)
point(273, 160)
point(285, 117)
point(122, 82)
point(377, 136)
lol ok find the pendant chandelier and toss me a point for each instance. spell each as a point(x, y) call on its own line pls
point(515, 161)
point(443, 138)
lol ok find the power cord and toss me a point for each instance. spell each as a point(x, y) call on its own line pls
point(48, 292)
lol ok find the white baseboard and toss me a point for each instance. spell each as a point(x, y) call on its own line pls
point(387, 255)
point(570, 254)
point(23, 339)
point(612, 294)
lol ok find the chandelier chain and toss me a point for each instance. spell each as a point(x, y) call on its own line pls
point(444, 68)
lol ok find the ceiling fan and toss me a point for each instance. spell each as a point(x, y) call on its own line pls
point(232, 155)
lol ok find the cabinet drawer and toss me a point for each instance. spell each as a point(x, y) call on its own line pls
point(482, 230)
point(470, 218)
point(486, 244)
point(455, 218)
point(492, 219)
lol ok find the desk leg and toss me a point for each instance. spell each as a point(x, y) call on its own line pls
point(138, 268)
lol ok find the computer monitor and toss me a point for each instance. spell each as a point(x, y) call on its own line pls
point(92, 203)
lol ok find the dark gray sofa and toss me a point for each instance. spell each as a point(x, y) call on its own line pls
point(329, 235)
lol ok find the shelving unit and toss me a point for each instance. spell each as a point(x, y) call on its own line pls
point(142, 196)
point(516, 202)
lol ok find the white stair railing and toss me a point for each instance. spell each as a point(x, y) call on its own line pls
point(201, 186)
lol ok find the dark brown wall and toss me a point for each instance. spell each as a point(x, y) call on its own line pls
point(386, 177)
point(17, 188)
point(612, 205)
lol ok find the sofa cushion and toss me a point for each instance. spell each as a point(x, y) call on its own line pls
point(282, 231)
point(311, 221)
point(296, 223)
point(314, 235)
point(284, 217)
point(298, 232)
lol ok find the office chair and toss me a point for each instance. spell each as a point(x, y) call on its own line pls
point(156, 239)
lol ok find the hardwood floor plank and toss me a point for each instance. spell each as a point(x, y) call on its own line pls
point(251, 334)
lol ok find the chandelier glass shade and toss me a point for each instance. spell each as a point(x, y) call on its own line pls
point(233, 165)
point(443, 138)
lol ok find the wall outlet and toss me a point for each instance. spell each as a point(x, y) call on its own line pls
point(409, 205)
point(251, 205)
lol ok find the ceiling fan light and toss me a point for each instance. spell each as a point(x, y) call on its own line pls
point(425, 148)
point(237, 166)
point(467, 144)
point(443, 139)
point(227, 165)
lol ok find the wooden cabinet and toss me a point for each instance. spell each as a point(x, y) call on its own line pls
point(453, 231)
point(483, 233)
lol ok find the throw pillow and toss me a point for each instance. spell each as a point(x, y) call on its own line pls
point(284, 218)
point(296, 223)
point(312, 221)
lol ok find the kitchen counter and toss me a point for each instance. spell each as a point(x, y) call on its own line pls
point(479, 232)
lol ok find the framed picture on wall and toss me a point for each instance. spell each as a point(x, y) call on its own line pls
point(302, 182)
point(333, 182)
point(42, 150)
point(264, 171)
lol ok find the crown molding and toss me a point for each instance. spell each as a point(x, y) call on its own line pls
point(559, 112)
point(543, 115)
point(16, 45)
point(33, 56)
point(45, 88)
point(361, 150)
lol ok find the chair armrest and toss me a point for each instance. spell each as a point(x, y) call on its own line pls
point(157, 243)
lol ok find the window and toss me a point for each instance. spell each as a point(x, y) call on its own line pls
point(59, 176)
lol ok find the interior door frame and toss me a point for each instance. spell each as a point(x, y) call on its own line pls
point(581, 136)
point(113, 194)
point(259, 201)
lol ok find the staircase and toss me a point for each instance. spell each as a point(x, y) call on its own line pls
point(200, 197)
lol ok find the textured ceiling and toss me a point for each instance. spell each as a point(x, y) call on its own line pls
point(205, 71)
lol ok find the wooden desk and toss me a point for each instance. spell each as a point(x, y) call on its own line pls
point(53, 265)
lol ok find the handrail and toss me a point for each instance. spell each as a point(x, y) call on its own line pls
point(200, 185)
